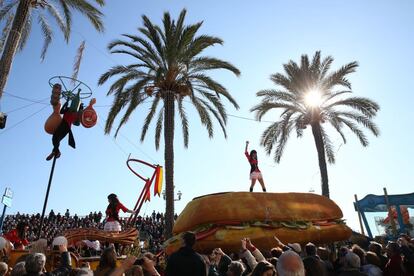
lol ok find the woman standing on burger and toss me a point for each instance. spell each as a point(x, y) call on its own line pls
point(255, 173)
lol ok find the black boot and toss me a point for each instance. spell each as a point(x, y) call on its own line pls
point(264, 190)
point(50, 156)
point(251, 189)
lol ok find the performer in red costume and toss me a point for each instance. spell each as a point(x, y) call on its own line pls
point(255, 173)
point(112, 213)
point(18, 236)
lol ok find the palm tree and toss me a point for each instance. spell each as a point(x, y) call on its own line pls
point(23, 12)
point(169, 67)
point(308, 94)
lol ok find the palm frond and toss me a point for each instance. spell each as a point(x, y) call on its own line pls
point(78, 60)
point(180, 22)
point(286, 127)
point(93, 14)
point(361, 119)
point(6, 30)
point(26, 32)
point(338, 77)
point(118, 85)
point(153, 35)
point(4, 10)
point(216, 115)
point(338, 127)
point(59, 20)
point(316, 64)
point(115, 70)
point(328, 146)
point(354, 128)
point(262, 108)
point(200, 43)
point(149, 117)
point(209, 63)
point(334, 95)
point(67, 14)
point(122, 97)
point(325, 66)
point(368, 107)
point(135, 55)
point(270, 136)
point(283, 81)
point(304, 63)
point(184, 121)
point(216, 102)
point(204, 116)
point(120, 101)
point(100, 2)
point(158, 128)
point(135, 100)
point(277, 95)
point(299, 125)
point(207, 82)
point(187, 36)
point(47, 33)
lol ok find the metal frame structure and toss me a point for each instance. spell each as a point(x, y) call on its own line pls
point(383, 203)
point(145, 189)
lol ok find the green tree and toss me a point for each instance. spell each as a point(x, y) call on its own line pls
point(168, 68)
point(24, 12)
point(308, 94)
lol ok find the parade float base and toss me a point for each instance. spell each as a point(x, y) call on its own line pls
point(126, 237)
point(222, 220)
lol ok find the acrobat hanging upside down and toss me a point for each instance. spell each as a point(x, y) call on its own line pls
point(73, 114)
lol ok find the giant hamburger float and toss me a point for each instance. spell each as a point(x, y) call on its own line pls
point(222, 220)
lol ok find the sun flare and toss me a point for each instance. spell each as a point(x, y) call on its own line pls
point(313, 98)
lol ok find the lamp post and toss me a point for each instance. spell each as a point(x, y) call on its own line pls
point(179, 195)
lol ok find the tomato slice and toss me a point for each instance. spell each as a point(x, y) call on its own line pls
point(204, 234)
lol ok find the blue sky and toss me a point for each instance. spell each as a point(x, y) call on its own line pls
point(258, 38)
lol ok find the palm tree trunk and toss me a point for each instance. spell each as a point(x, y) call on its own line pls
point(169, 113)
point(317, 135)
point(12, 42)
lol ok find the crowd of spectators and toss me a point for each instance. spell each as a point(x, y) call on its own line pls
point(151, 227)
point(53, 224)
point(395, 258)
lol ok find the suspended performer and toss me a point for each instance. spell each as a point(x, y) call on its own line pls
point(112, 214)
point(255, 173)
point(71, 115)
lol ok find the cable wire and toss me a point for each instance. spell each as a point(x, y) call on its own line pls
point(135, 146)
point(27, 99)
point(114, 141)
point(21, 121)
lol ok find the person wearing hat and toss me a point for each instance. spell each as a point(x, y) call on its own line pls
point(255, 173)
point(290, 246)
point(112, 214)
point(295, 247)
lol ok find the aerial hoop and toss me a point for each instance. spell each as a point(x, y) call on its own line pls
point(71, 86)
point(146, 191)
point(142, 162)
